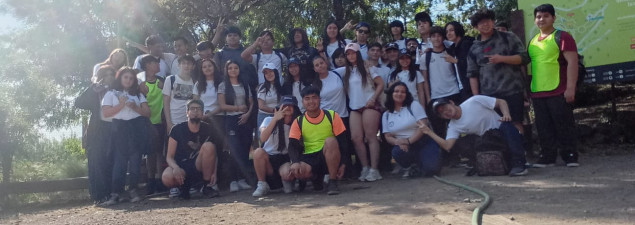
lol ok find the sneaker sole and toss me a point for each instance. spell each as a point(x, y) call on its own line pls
point(333, 193)
point(543, 165)
point(573, 164)
point(523, 173)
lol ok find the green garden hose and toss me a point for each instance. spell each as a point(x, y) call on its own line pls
point(477, 215)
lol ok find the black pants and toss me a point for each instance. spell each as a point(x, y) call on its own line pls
point(556, 128)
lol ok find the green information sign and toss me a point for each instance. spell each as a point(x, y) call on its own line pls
point(604, 31)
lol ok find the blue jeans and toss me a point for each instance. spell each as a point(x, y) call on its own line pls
point(424, 152)
point(515, 143)
point(130, 142)
point(239, 138)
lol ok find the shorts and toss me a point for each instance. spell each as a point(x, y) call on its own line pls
point(316, 161)
point(277, 161)
point(377, 108)
point(516, 104)
point(192, 175)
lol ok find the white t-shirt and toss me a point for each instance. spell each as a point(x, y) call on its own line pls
point(111, 98)
point(183, 91)
point(209, 98)
point(239, 91)
point(270, 97)
point(401, 43)
point(404, 76)
point(477, 117)
point(296, 93)
point(330, 49)
point(279, 61)
point(165, 64)
point(423, 45)
point(383, 72)
point(363, 49)
point(332, 95)
point(358, 95)
point(403, 123)
point(441, 76)
point(271, 145)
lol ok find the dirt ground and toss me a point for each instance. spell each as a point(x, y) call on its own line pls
point(601, 191)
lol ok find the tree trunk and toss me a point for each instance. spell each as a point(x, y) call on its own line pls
point(338, 12)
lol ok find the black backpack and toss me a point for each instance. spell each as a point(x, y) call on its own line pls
point(487, 154)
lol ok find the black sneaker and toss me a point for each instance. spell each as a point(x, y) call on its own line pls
point(209, 191)
point(301, 185)
point(185, 192)
point(332, 188)
point(318, 184)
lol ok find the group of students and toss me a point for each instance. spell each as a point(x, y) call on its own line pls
point(308, 106)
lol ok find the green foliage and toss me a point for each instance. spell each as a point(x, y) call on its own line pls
point(50, 159)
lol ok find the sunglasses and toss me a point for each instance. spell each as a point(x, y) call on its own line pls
point(363, 31)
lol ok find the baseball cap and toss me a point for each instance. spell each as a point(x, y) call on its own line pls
point(270, 66)
point(294, 60)
point(362, 24)
point(352, 46)
point(204, 45)
point(392, 45)
point(288, 100)
point(403, 52)
point(438, 103)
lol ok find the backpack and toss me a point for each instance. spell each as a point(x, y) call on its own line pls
point(490, 155)
point(581, 68)
point(301, 117)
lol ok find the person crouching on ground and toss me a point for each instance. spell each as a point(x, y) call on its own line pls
point(314, 143)
point(191, 153)
point(476, 115)
point(271, 162)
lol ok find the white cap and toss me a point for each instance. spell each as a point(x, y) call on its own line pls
point(270, 66)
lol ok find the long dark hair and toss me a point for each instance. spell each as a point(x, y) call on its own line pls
point(279, 128)
point(305, 39)
point(266, 86)
point(201, 83)
point(134, 89)
point(339, 52)
point(326, 40)
point(304, 78)
point(230, 95)
point(390, 102)
point(361, 68)
point(412, 71)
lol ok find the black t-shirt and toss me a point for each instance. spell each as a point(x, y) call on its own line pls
point(188, 144)
point(305, 55)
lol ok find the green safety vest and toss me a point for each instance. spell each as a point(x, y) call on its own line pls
point(545, 69)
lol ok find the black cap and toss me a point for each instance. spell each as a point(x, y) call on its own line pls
point(204, 45)
point(392, 45)
point(438, 103)
point(404, 52)
point(293, 60)
point(288, 100)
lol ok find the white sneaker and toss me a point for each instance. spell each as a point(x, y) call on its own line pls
point(287, 186)
point(363, 174)
point(261, 189)
point(243, 185)
point(174, 192)
point(373, 175)
point(233, 186)
point(326, 179)
point(215, 187)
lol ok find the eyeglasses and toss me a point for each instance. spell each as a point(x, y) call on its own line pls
point(199, 109)
point(363, 31)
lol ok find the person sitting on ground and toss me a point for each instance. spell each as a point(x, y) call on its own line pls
point(411, 149)
point(314, 143)
point(191, 155)
point(274, 155)
point(476, 115)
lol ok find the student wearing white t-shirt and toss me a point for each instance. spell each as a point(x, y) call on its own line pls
point(408, 74)
point(155, 45)
point(441, 76)
point(271, 162)
point(396, 31)
point(295, 80)
point(411, 148)
point(331, 40)
point(363, 91)
point(234, 98)
point(205, 90)
point(268, 93)
point(177, 90)
point(267, 55)
point(477, 115)
point(130, 112)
